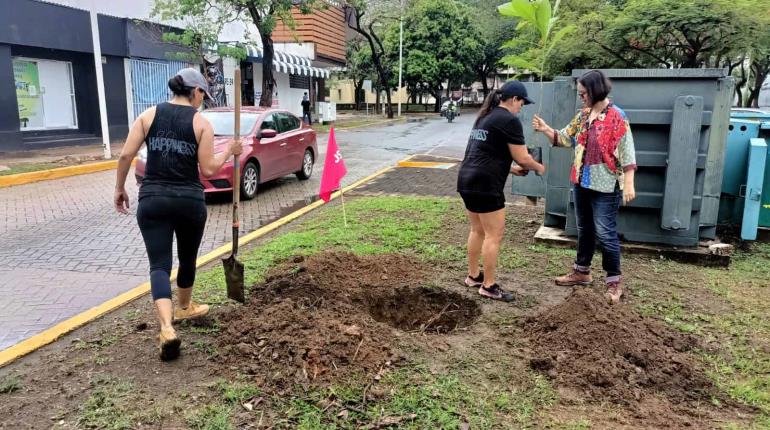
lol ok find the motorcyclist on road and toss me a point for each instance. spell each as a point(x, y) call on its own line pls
point(451, 110)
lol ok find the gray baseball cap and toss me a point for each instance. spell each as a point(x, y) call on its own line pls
point(194, 78)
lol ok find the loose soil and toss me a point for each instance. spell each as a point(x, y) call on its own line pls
point(609, 352)
point(333, 316)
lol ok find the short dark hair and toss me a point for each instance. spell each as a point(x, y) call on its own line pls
point(597, 85)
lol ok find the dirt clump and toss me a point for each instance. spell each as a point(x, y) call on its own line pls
point(332, 316)
point(611, 353)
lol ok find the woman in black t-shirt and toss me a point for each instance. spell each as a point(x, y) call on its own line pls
point(497, 139)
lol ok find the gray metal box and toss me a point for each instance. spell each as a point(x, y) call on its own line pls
point(680, 161)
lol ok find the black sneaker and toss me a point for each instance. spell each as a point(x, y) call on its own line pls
point(472, 282)
point(496, 293)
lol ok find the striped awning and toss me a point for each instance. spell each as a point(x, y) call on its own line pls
point(290, 63)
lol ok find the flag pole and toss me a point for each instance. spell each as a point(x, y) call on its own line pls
point(344, 214)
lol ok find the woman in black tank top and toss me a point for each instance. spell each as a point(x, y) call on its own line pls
point(180, 147)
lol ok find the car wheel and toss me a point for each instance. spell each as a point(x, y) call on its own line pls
point(307, 166)
point(249, 181)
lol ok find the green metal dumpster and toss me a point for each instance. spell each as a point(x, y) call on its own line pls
point(679, 119)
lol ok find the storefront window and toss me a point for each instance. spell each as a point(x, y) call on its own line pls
point(28, 97)
point(45, 94)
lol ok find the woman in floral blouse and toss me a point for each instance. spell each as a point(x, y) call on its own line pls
point(602, 174)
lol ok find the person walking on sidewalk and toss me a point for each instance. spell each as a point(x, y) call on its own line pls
point(496, 140)
point(171, 200)
point(602, 174)
point(306, 109)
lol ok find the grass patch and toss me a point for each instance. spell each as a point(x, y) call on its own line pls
point(104, 341)
point(418, 399)
point(237, 392)
point(10, 384)
point(218, 415)
point(205, 347)
point(211, 417)
point(375, 226)
point(577, 424)
point(526, 404)
point(108, 406)
point(29, 167)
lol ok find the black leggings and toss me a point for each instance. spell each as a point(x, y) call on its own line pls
point(160, 217)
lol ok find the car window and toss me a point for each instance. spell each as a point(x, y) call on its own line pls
point(224, 122)
point(288, 122)
point(269, 123)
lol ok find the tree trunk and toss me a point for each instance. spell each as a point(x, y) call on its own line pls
point(484, 83)
point(740, 84)
point(357, 87)
point(377, 101)
point(436, 100)
point(268, 82)
point(760, 71)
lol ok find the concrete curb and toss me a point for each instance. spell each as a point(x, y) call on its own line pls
point(50, 335)
point(59, 172)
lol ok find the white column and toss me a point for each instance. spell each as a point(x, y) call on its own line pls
point(100, 82)
point(400, 54)
point(129, 92)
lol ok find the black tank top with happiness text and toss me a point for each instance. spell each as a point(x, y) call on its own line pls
point(172, 154)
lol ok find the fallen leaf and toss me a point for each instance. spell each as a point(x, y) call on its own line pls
point(248, 406)
point(343, 414)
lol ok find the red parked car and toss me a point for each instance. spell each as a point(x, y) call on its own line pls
point(275, 143)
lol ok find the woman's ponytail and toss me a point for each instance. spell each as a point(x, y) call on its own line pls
point(492, 101)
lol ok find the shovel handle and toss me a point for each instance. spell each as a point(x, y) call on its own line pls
point(236, 160)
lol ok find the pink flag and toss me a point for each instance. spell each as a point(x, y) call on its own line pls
point(334, 169)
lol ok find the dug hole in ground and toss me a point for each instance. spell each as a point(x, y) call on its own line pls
point(370, 327)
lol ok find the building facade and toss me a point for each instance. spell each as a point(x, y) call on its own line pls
point(48, 89)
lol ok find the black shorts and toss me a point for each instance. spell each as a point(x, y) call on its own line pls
point(483, 203)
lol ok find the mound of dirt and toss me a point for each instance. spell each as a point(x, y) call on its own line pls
point(612, 353)
point(335, 315)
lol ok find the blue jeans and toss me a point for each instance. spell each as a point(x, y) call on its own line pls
point(596, 217)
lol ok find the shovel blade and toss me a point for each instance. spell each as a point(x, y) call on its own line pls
point(234, 278)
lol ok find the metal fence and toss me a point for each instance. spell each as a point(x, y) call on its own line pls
point(149, 82)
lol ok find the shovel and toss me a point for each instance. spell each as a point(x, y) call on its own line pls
point(233, 267)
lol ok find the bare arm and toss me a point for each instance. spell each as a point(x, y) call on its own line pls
point(209, 162)
point(133, 142)
point(522, 158)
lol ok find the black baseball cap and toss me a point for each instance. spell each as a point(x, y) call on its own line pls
point(515, 88)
